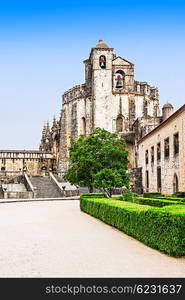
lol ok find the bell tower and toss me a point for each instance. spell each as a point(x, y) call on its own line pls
point(100, 59)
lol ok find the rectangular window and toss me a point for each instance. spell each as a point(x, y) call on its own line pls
point(159, 151)
point(146, 157)
point(3, 161)
point(152, 155)
point(166, 148)
point(159, 179)
point(147, 181)
point(176, 143)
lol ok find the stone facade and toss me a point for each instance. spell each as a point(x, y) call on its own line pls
point(50, 141)
point(161, 154)
point(14, 162)
point(110, 98)
point(135, 175)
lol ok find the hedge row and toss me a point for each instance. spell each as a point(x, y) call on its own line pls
point(159, 196)
point(159, 228)
point(172, 198)
point(94, 195)
point(152, 195)
point(180, 194)
point(155, 202)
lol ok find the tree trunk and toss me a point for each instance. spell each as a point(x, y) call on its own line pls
point(90, 188)
point(110, 192)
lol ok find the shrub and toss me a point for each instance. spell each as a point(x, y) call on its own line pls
point(152, 195)
point(159, 196)
point(127, 195)
point(180, 194)
point(171, 198)
point(155, 202)
point(94, 195)
point(159, 228)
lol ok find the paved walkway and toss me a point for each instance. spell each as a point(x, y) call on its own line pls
point(56, 239)
point(9, 200)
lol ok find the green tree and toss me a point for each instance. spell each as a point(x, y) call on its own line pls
point(89, 155)
point(108, 179)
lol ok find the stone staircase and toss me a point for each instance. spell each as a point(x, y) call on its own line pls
point(1, 193)
point(58, 178)
point(45, 188)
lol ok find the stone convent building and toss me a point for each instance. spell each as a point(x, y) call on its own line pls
point(111, 98)
point(162, 154)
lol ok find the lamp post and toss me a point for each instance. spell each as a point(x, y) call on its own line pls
point(64, 187)
point(77, 187)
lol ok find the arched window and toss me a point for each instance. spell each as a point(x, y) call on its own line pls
point(102, 61)
point(119, 80)
point(119, 124)
point(175, 183)
point(83, 126)
point(147, 181)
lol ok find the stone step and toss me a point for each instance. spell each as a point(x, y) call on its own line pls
point(58, 178)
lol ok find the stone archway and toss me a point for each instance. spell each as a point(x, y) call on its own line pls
point(120, 123)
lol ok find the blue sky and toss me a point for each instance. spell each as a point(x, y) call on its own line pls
point(43, 44)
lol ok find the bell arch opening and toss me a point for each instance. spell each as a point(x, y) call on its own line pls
point(119, 79)
point(102, 61)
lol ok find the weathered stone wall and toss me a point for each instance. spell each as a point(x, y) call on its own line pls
point(143, 126)
point(63, 164)
point(98, 103)
point(175, 164)
point(13, 162)
point(102, 88)
point(135, 175)
point(74, 121)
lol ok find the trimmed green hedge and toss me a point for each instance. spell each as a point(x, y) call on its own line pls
point(180, 194)
point(171, 198)
point(94, 195)
point(159, 196)
point(155, 202)
point(152, 195)
point(159, 228)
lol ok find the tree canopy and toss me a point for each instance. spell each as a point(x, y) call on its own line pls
point(108, 179)
point(90, 155)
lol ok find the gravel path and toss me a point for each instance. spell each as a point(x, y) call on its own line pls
point(56, 239)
